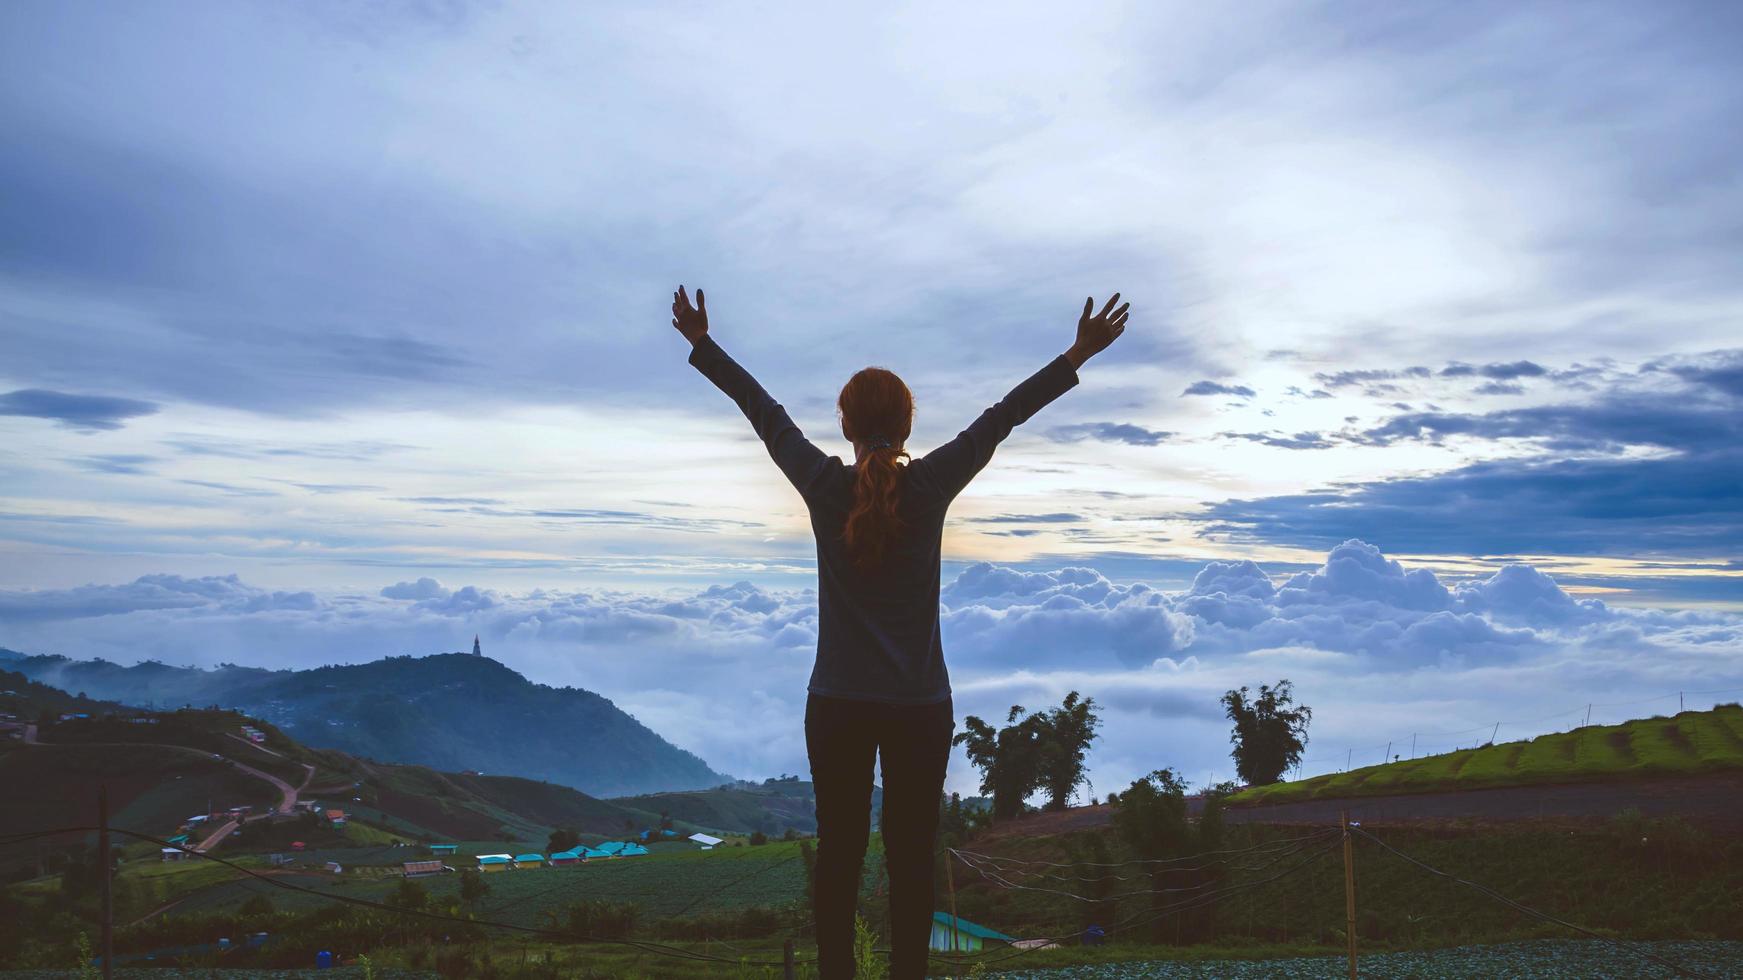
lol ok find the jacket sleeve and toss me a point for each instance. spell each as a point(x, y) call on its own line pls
point(956, 462)
point(803, 463)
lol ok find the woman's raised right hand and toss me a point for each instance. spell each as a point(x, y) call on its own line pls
point(1095, 333)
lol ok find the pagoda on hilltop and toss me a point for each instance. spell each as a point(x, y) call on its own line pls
point(477, 651)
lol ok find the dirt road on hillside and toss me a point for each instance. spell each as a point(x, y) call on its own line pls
point(1713, 800)
point(287, 794)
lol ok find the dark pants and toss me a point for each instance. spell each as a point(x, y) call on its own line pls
point(913, 742)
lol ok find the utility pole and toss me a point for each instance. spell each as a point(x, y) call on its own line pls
point(1388, 754)
point(1588, 716)
point(105, 864)
point(1494, 733)
point(1413, 745)
point(1349, 891)
point(1679, 705)
point(1349, 755)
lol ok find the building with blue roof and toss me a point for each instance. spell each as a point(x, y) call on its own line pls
point(956, 934)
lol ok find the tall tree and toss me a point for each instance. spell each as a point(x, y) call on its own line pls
point(1065, 737)
point(1006, 758)
point(1269, 733)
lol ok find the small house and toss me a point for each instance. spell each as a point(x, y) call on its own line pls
point(174, 854)
point(297, 845)
point(632, 850)
point(956, 934)
point(495, 862)
point(562, 859)
point(178, 839)
point(334, 867)
point(707, 841)
point(444, 848)
point(423, 869)
point(524, 861)
point(610, 848)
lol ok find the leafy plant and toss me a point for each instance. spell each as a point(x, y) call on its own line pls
point(867, 964)
point(82, 948)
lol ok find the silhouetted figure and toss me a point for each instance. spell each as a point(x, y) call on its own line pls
point(879, 687)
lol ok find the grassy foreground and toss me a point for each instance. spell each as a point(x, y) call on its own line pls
point(1691, 742)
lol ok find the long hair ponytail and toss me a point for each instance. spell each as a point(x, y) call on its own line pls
point(876, 408)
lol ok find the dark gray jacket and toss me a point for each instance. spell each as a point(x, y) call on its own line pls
point(877, 633)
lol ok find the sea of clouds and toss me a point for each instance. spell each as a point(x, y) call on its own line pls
point(1380, 651)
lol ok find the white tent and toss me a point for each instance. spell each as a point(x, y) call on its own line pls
point(705, 840)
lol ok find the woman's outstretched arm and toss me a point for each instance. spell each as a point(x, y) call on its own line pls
point(952, 465)
point(803, 463)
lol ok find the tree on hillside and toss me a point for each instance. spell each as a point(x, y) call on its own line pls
point(408, 894)
point(561, 840)
point(473, 887)
point(1269, 733)
point(1042, 751)
point(1066, 733)
point(1006, 757)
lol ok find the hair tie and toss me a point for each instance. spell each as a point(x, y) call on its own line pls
point(880, 444)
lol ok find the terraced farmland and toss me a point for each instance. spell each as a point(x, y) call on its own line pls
point(664, 884)
point(1691, 742)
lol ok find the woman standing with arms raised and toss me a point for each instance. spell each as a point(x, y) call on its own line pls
point(879, 687)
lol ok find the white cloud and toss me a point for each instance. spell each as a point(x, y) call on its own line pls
point(1376, 648)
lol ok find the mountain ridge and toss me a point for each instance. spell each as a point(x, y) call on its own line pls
point(451, 711)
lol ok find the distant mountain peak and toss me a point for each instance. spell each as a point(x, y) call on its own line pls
point(450, 711)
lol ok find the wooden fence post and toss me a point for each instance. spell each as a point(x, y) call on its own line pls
point(1349, 891)
point(107, 868)
point(950, 884)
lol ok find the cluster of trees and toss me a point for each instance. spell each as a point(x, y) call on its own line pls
point(1040, 752)
point(1150, 817)
point(1045, 752)
point(562, 839)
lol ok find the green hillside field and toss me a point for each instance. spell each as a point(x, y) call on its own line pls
point(674, 880)
point(152, 789)
point(1691, 742)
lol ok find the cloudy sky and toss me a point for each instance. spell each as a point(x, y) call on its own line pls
point(328, 333)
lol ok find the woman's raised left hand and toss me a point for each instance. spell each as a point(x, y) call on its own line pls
point(691, 321)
